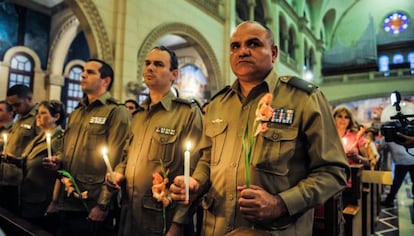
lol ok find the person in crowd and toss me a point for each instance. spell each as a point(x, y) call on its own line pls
point(132, 106)
point(20, 98)
point(403, 163)
point(373, 147)
point(99, 124)
point(352, 136)
point(6, 121)
point(296, 161)
point(354, 144)
point(160, 131)
point(38, 182)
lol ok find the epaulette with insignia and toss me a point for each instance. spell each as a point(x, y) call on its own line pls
point(182, 100)
point(114, 101)
point(299, 83)
point(223, 90)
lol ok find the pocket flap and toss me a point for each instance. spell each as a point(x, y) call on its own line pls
point(148, 202)
point(90, 179)
point(215, 128)
point(164, 138)
point(278, 134)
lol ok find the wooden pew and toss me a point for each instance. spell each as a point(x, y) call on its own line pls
point(353, 203)
point(15, 226)
point(328, 217)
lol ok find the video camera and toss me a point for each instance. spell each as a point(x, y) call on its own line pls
point(401, 123)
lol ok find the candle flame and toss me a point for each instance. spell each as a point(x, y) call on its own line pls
point(188, 146)
point(104, 151)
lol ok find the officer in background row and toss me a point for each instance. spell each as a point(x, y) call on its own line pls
point(99, 122)
point(20, 98)
point(6, 121)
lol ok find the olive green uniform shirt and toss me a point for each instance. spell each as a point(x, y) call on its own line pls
point(159, 132)
point(5, 129)
point(21, 134)
point(38, 182)
point(300, 157)
point(91, 127)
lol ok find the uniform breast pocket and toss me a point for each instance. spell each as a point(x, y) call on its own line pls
point(96, 135)
point(217, 133)
point(277, 149)
point(163, 146)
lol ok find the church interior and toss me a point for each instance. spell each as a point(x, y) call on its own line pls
point(356, 51)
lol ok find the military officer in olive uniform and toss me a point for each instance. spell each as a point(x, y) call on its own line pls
point(38, 182)
point(6, 121)
point(98, 122)
point(297, 160)
point(20, 97)
point(161, 128)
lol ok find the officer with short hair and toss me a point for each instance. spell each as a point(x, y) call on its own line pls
point(20, 98)
point(98, 122)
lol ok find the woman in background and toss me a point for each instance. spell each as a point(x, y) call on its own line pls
point(38, 182)
point(352, 137)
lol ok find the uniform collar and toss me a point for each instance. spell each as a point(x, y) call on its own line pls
point(7, 126)
point(101, 100)
point(166, 102)
point(268, 84)
point(31, 113)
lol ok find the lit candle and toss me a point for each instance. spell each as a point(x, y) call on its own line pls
point(108, 165)
point(344, 142)
point(187, 172)
point(49, 146)
point(4, 143)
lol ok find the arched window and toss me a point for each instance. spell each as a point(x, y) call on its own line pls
point(72, 92)
point(21, 70)
point(383, 64)
point(291, 45)
point(411, 61)
point(398, 59)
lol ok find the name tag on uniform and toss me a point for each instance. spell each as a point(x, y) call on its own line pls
point(97, 120)
point(282, 116)
point(165, 131)
point(26, 126)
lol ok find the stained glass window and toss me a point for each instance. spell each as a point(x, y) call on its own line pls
point(395, 23)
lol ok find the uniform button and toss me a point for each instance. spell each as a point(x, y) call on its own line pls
point(231, 197)
point(275, 135)
point(233, 164)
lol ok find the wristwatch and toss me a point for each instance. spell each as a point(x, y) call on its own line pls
point(103, 207)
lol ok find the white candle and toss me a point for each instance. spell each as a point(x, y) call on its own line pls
point(49, 146)
point(344, 142)
point(4, 143)
point(187, 172)
point(108, 165)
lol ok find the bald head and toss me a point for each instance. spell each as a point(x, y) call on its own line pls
point(251, 23)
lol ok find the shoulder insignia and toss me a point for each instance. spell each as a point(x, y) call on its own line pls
point(222, 91)
point(114, 101)
point(299, 83)
point(183, 101)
